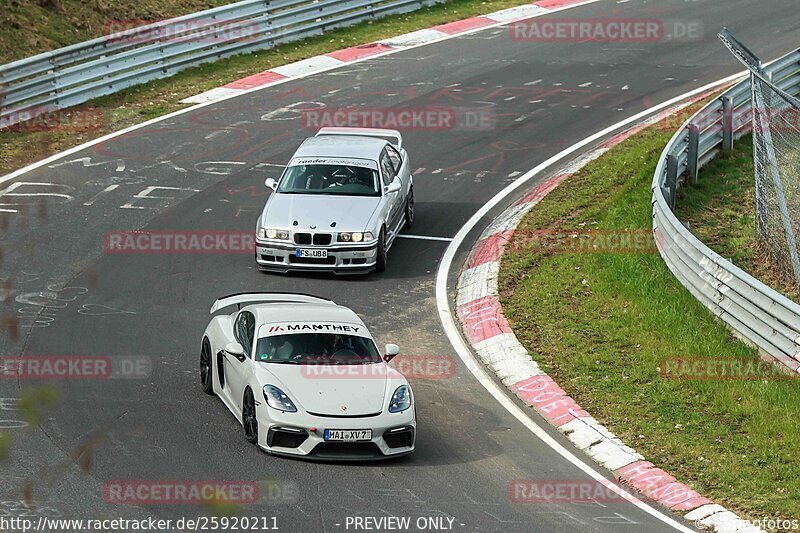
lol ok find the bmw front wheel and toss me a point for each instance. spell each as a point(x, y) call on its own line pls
point(409, 208)
point(380, 262)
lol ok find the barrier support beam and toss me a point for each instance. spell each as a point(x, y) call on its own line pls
point(727, 124)
point(694, 146)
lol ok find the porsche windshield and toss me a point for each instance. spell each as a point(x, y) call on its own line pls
point(342, 180)
point(317, 348)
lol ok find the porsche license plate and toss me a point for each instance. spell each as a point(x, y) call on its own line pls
point(347, 435)
point(310, 252)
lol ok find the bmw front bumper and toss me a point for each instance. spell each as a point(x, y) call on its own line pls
point(341, 258)
point(302, 435)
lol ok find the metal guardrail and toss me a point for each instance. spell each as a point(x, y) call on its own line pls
point(757, 313)
point(78, 73)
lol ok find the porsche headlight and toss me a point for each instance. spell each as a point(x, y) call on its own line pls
point(401, 400)
point(277, 399)
point(356, 236)
point(273, 234)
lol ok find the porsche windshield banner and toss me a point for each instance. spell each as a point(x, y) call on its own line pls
point(337, 161)
point(312, 327)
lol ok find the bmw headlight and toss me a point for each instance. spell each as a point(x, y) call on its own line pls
point(273, 234)
point(356, 236)
point(277, 399)
point(401, 400)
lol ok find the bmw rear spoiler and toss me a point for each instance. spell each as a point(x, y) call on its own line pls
point(393, 135)
point(241, 298)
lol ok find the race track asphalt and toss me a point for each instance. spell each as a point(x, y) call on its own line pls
point(205, 169)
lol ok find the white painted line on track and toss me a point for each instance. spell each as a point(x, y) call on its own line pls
point(212, 95)
point(415, 37)
point(518, 12)
point(423, 237)
point(312, 64)
point(461, 347)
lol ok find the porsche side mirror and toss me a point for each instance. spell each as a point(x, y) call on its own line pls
point(271, 183)
point(235, 349)
point(394, 186)
point(390, 352)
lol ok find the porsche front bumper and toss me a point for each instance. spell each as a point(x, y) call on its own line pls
point(302, 434)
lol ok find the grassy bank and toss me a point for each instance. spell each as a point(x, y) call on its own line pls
point(602, 324)
point(34, 26)
point(720, 209)
point(137, 104)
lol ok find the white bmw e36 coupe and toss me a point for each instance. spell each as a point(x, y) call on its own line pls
point(339, 204)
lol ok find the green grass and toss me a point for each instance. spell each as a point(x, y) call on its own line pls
point(34, 26)
point(720, 209)
point(601, 323)
point(134, 105)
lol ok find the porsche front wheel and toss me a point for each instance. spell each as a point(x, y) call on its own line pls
point(206, 373)
point(249, 421)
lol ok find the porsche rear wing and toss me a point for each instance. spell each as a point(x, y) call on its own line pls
point(393, 136)
point(266, 297)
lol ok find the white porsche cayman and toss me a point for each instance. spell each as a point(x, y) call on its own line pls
point(303, 376)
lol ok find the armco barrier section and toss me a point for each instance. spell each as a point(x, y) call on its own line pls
point(78, 73)
point(757, 313)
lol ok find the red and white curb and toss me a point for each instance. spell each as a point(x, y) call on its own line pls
point(338, 58)
point(488, 332)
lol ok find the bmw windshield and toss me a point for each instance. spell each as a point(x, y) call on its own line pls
point(346, 177)
point(317, 348)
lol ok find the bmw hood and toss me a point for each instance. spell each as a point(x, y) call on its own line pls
point(324, 212)
point(338, 390)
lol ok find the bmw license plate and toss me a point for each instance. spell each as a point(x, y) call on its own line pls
point(347, 435)
point(310, 252)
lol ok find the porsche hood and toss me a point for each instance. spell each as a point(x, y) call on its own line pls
point(318, 212)
point(331, 390)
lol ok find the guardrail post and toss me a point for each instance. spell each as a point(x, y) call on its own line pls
point(671, 180)
point(727, 124)
point(694, 146)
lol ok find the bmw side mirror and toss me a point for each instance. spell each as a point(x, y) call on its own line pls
point(235, 349)
point(390, 352)
point(394, 186)
point(271, 183)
